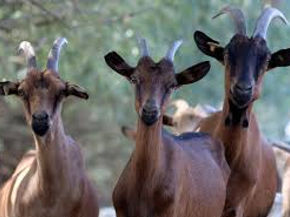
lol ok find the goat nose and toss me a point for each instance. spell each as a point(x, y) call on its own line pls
point(243, 87)
point(40, 116)
point(150, 103)
point(150, 106)
point(150, 112)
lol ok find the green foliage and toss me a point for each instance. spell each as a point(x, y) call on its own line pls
point(93, 28)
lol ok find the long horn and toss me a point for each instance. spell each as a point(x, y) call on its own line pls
point(265, 19)
point(238, 17)
point(25, 48)
point(53, 56)
point(143, 46)
point(172, 50)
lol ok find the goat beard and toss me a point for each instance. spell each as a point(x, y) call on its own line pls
point(237, 116)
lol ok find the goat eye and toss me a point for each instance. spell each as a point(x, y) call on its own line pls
point(134, 80)
point(21, 92)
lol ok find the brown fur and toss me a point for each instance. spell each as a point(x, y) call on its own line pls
point(166, 176)
point(281, 152)
point(50, 181)
point(280, 149)
point(169, 176)
point(252, 184)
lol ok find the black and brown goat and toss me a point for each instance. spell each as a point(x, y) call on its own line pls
point(252, 184)
point(182, 176)
point(51, 180)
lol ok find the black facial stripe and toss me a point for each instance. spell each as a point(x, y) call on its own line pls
point(55, 103)
point(235, 116)
point(138, 91)
point(26, 100)
point(166, 93)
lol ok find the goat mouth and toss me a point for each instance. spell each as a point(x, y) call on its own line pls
point(241, 100)
point(40, 128)
point(149, 118)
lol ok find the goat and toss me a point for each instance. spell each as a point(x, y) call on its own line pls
point(51, 180)
point(167, 175)
point(252, 184)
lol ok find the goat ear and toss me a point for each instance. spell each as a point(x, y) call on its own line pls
point(280, 58)
point(193, 73)
point(75, 90)
point(8, 88)
point(118, 64)
point(129, 132)
point(209, 46)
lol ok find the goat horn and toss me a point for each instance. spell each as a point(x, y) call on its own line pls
point(265, 19)
point(238, 17)
point(172, 50)
point(25, 48)
point(143, 46)
point(53, 56)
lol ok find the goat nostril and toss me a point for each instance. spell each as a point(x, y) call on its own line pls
point(150, 103)
point(40, 116)
point(150, 111)
point(243, 88)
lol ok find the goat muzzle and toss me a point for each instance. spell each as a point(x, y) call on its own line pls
point(241, 95)
point(40, 123)
point(150, 113)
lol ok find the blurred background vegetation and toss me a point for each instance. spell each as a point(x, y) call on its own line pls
point(93, 28)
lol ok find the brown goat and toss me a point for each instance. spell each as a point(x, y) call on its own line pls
point(182, 176)
point(50, 181)
point(252, 184)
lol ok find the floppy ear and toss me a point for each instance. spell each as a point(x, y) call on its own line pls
point(118, 64)
point(209, 46)
point(280, 58)
point(193, 74)
point(8, 88)
point(75, 90)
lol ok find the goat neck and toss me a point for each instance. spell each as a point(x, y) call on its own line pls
point(149, 148)
point(51, 157)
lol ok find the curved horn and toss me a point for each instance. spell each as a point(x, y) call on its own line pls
point(143, 46)
point(53, 56)
point(25, 48)
point(172, 50)
point(238, 17)
point(265, 19)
